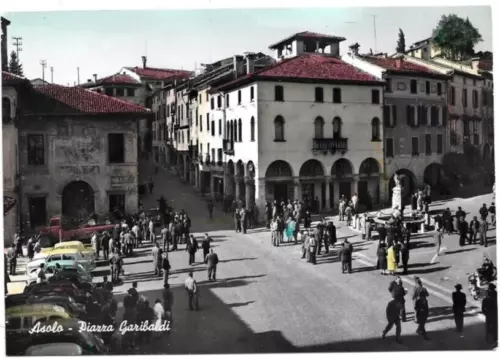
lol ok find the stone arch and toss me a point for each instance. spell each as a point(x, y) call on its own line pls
point(78, 201)
point(250, 169)
point(408, 181)
point(342, 168)
point(240, 168)
point(369, 167)
point(433, 174)
point(230, 167)
point(279, 168)
point(312, 168)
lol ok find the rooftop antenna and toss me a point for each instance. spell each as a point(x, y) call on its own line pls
point(44, 65)
point(375, 31)
point(52, 74)
point(78, 75)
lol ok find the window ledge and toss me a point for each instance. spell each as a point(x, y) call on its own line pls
point(376, 140)
point(279, 140)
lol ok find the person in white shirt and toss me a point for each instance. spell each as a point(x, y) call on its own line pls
point(355, 202)
point(152, 236)
point(40, 274)
point(192, 290)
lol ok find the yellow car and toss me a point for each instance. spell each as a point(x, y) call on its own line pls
point(77, 245)
point(23, 317)
point(71, 254)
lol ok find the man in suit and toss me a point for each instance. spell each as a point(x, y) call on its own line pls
point(321, 228)
point(165, 266)
point(212, 260)
point(483, 229)
point(345, 258)
point(191, 248)
point(459, 302)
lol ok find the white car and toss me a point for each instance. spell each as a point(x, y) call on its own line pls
point(58, 255)
point(32, 267)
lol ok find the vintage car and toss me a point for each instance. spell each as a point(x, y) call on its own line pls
point(53, 349)
point(68, 303)
point(70, 254)
point(32, 268)
point(88, 252)
point(57, 288)
point(69, 334)
point(69, 269)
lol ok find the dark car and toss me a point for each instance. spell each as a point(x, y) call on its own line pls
point(70, 333)
point(16, 299)
point(68, 303)
point(61, 287)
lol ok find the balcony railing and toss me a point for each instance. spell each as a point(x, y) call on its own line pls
point(228, 147)
point(330, 144)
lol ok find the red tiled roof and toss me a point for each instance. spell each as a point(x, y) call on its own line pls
point(486, 65)
point(117, 79)
point(84, 100)
point(7, 76)
point(309, 34)
point(159, 74)
point(391, 64)
point(309, 67)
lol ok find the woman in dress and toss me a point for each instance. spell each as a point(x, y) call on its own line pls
point(391, 260)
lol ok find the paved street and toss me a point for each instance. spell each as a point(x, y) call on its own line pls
point(267, 299)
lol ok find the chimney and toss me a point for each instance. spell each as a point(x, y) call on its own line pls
point(237, 68)
point(95, 77)
point(89, 80)
point(475, 63)
point(144, 59)
point(250, 62)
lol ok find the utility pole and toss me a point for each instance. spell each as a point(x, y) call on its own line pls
point(17, 43)
point(375, 31)
point(52, 74)
point(44, 65)
point(78, 75)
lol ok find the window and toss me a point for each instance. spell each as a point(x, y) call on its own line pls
point(239, 97)
point(201, 123)
point(36, 150)
point(208, 122)
point(375, 129)
point(108, 91)
point(389, 147)
point(413, 86)
point(337, 95)
point(424, 113)
point(337, 127)
point(279, 127)
point(199, 99)
point(452, 96)
point(252, 94)
point(475, 99)
point(220, 127)
point(414, 146)
point(464, 98)
point(428, 147)
point(219, 101)
point(439, 144)
point(278, 93)
point(201, 149)
point(439, 88)
point(116, 201)
point(116, 148)
point(212, 155)
point(318, 127)
point(410, 115)
point(206, 96)
point(252, 129)
point(427, 87)
point(375, 96)
point(434, 116)
point(212, 103)
point(130, 92)
point(240, 131)
point(318, 94)
point(227, 100)
point(120, 92)
point(394, 115)
point(219, 154)
point(37, 211)
point(387, 116)
point(485, 99)
point(197, 118)
point(182, 112)
point(388, 85)
point(213, 128)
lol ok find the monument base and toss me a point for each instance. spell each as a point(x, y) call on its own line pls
point(397, 199)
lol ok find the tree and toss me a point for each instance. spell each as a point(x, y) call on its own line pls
point(401, 47)
point(456, 37)
point(15, 67)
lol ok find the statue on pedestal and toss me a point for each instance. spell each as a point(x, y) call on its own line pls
point(397, 180)
point(397, 193)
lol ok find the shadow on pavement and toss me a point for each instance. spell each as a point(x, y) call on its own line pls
point(437, 314)
point(428, 270)
point(460, 251)
point(420, 244)
point(237, 260)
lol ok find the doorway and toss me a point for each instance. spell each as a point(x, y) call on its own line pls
point(345, 189)
point(363, 192)
point(280, 192)
point(37, 211)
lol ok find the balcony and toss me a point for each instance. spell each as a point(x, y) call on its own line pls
point(228, 147)
point(330, 144)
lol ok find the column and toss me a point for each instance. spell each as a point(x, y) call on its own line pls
point(354, 185)
point(296, 189)
point(260, 196)
point(237, 187)
point(328, 205)
point(249, 198)
point(336, 193)
point(226, 184)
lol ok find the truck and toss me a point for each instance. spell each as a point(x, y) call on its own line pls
point(69, 230)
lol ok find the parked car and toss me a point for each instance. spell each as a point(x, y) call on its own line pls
point(53, 349)
point(32, 268)
point(69, 270)
point(88, 252)
point(68, 303)
point(89, 343)
point(69, 254)
point(57, 288)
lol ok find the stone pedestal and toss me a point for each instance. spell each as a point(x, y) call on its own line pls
point(397, 198)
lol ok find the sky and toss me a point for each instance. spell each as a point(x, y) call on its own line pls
point(101, 42)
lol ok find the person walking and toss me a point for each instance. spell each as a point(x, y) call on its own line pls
point(31, 249)
point(342, 204)
point(12, 259)
point(164, 237)
point(419, 288)
point(212, 260)
point(345, 259)
point(438, 239)
point(398, 293)
point(237, 220)
point(192, 292)
point(156, 255)
point(489, 308)
point(165, 267)
point(459, 301)
point(305, 245)
point(116, 263)
point(473, 230)
point(483, 229)
point(382, 258)
point(405, 256)
point(492, 211)
point(150, 185)
point(274, 233)
point(463, 230)
point(243, 220)
point(422, 313)
point(191, 248)
point(393, 319)
point(312, 249)
point(391, 260)
point(105, 245)
point(205, 245)
point(210, 206)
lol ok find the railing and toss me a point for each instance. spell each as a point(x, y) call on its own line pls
point(228, 147)
point(330, 144)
